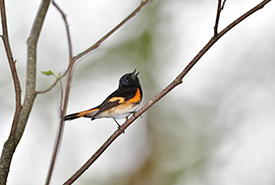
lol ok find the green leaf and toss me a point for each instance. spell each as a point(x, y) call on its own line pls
point(48, 73)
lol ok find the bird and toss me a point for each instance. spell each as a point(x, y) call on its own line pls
point(120, 104)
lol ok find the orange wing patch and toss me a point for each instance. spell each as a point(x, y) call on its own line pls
point(135, 99)
point(120, 99)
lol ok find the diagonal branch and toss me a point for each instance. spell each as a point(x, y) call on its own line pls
point(53, 85)
point(172, 85)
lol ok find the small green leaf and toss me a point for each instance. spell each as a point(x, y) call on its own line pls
point(48, 73)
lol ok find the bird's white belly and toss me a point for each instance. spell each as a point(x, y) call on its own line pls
point(118, 112)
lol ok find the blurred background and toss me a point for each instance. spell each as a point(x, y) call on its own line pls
point(217, 127)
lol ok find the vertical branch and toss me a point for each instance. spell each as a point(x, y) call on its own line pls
point(217, 17)
point(67, 28)
point(11, 144)
point(64, 101)
point(219, 9)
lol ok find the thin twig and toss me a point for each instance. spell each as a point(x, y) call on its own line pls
point(97, 44)
point(63, 105)
point(219, 9)
point(54, 84)
point(223, 4)
point(217, 17)
point(67, 28)
point(171, 86)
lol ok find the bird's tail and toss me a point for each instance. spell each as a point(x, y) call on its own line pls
point(87, 113)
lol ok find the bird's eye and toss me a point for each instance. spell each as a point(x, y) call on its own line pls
point(126, 80)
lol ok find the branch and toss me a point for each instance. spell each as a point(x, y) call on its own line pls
point(11, 144)
point(223, 4)
point(67, 28)
point(217, 17)
point(172, 85)
point(219, 9)
point(63, 105)
point(97, 44)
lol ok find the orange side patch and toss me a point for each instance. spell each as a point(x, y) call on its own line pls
point(136, 98)
point(83, 113)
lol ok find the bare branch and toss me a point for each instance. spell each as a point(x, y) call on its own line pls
point(172, 85)
point(63, 105)
point(219, 9)
point(67, 28)
point(52, 86)
point(223, 4)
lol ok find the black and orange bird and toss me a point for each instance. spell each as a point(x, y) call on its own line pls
point(120, 104)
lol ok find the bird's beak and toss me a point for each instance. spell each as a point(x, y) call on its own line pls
point(134, 75)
